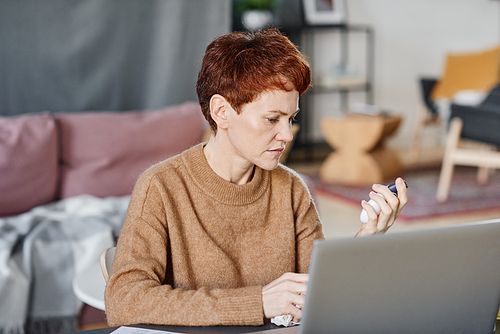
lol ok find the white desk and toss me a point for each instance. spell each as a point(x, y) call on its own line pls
point(89, 286)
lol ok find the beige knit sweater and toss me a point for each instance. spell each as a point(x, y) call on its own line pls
point(196, 249)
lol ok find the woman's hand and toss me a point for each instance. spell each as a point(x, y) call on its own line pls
point(281, 296)
point(390, 208)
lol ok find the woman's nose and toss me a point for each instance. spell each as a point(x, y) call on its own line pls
point(285, 133)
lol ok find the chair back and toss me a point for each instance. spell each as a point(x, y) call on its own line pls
point(107, 257)
point(426, 86)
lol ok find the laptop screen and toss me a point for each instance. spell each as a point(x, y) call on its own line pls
point(444, 280)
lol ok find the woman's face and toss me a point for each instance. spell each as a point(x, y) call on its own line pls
point(263, 127)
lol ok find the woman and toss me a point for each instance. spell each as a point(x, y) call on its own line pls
point(222, 234)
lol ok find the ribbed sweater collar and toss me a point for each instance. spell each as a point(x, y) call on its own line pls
point(218, 188)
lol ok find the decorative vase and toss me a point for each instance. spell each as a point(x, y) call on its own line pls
point(256, 19)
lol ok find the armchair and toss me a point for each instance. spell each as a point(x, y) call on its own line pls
point(467, 76)
point(479, 124)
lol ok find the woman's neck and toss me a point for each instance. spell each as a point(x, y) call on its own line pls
point(226, 163)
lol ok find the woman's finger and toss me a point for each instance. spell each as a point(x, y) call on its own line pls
point(402, 194)
point(283, 294)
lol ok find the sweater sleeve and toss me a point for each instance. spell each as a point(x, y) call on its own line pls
point(136, 293)
point(307, 223)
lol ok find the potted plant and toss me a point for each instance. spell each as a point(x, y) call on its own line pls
point(255, 14)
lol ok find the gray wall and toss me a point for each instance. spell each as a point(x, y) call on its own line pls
point(60, 55)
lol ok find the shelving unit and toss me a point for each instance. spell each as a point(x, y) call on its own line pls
point(343, 85)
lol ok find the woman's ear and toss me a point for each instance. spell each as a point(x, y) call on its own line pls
point(218, 110)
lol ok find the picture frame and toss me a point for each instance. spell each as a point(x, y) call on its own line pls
point(325, 12)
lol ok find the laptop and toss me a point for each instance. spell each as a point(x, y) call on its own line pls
point(443, 280)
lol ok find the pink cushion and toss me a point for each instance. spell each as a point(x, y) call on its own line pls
point(104, 153)
point(28, 162)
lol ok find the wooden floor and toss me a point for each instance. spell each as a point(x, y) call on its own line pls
point(341, 219)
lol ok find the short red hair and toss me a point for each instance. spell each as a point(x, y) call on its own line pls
point(241, 65)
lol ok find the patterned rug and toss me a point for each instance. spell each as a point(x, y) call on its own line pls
point(466, 195)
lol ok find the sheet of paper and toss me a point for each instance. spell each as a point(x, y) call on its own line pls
point(136, 330)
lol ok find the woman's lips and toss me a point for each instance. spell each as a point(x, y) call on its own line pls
point(277, 151)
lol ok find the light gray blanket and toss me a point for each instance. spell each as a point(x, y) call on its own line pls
point(42, 250)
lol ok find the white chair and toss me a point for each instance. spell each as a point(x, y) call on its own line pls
point(90, 284)
point(473, 140)
point(107, 257)
point(476, 154)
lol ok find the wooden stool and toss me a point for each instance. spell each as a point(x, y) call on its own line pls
point(360, 157)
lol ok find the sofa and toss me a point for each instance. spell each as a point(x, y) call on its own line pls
point(47, 159)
